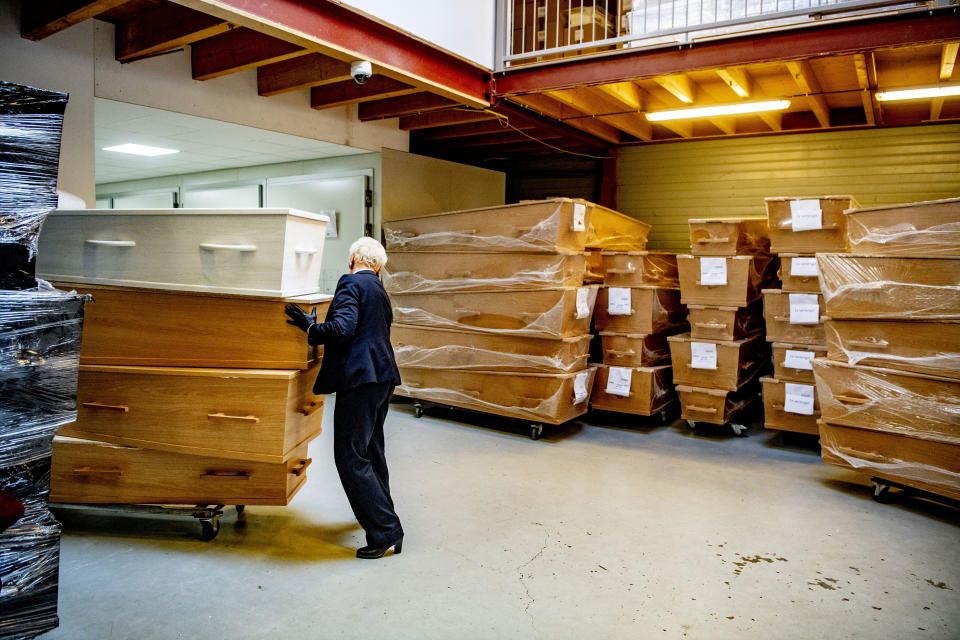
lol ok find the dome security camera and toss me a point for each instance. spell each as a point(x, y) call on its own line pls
point(361, 70)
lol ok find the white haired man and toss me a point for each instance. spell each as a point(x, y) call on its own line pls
point(358, 365)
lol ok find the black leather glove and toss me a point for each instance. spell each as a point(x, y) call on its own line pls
point(299, 318)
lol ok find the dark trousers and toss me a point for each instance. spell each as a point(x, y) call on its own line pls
point(358, 451)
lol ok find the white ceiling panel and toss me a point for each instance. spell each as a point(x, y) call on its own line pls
point(204, 145)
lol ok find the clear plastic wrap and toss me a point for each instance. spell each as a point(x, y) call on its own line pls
point(923, 464)
point(638, 268)
point(779, 314)
point(909, 404)
point(40, 331)
point(651, 389)
point(614, 231)
point(635, 350)
point(449, 349)
point(651, 310)
point(739, 284)
point(594, 271)
point(725, 323)
point(922, 347)
point(894, 288)
point(775, 415)
point(917, 229)
point(31, 121)
point(425, 272)
point(553, 399)
point(729, 236)
point(808, 224)
point(717, 364)
point(547, 313)
point(716, 406)
point(546, 226)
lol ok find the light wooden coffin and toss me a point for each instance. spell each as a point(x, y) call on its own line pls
point(745, 277)
point(450, 349)
point(594, 272)
point(808, 225)
point(263, 252)
point(923, 464)
point(783, 416)
point(427, 272)
point(634, 350)
point(85, 471)
point(717, 364)
point(247, 414)
point(799, 274)
point(932, 348)
point(549, 398)
point(726, 323)
point(182, 329)
point(546, 313)
point(915, 229)
point(862, 287)
point(639, 268)
point(613, 231)
point(791, 362)
point(716, 406)
point(729, 236)
point(651, 310)
point(785, 321)
point(542, 226)
point(888, 400)
point(650, 390)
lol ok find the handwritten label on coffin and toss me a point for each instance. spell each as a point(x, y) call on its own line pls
point(798, 398)
point(713, 271)
point(806, 215)
point(803, 267)
point(583, 303)
point(703, 355)
point(798, 359)
point(579, 217)
point(580, 387)
point(618, 301)
point(804, 308)
point(618, 381)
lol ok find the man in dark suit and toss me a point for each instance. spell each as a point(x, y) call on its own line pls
point(358, 365)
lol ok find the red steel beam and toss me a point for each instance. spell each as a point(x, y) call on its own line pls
point(829, 40)
point(331, 28)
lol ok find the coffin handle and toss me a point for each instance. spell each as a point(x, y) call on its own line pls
point(622, 354)
point(112, 243)
point(222, 417)
point(626, 271)
point(712, 240)
point(710, 325)
point(238, 475)
point(879, 344)
point(845, 399)
point(111, 407)
point(459, 274)
point(301, 468)
point(89, 471)
point(309, 408)
point(212, 246)
point(694, 407)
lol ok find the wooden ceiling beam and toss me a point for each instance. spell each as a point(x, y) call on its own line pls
point(866, 91)
point(633, 123)
point(773, 119)
point(237, 50)
point(471, 129)
point(680, 86)
point(549, 107)
point(164, 28)
point(626, 93)
point(518, 114)
point(42, 18)
point(403, 105)
point(948, 58)
point(349, 92)
point(683, 128)
point(805, 78)
point(738, 80)
point(303, 72)
point(443, 119)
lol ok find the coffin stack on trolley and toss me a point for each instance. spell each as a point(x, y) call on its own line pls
point(718, 364)
point(800, 227)
point(193, 388)
point(889, 385)
point(637, 309)
point(40, 330)
point(490, 310)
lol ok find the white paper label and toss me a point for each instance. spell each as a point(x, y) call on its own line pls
point(583, 303)
point(580, 387)
point(798, 398)
point(618, 381)
point(806, 215)
point(713, 271)
point(803, 267)
point(804, 308)
point(703, 355)
point(798, 359)
point(579, 217)
point(618, 301)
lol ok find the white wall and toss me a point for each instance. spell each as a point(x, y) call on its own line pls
point(62, 62)
point(464, 27)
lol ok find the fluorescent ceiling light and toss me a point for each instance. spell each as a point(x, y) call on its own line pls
point(141, 150)
point(719, 110)
point(918, 93)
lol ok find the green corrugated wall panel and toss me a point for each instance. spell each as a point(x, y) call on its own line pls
point(666, 184)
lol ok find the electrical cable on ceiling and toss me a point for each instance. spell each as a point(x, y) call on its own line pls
point(505, 123)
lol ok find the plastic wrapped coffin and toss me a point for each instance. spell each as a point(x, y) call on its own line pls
point(729, 236)
point(916, 229)
point(635, 390)
point(635, 350)
point(639, 268)
point(932, 348)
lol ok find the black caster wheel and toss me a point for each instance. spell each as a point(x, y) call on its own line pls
point(882, 494)
point(418, 411)
point(692, 424)
point(739, 430)
point(209, 529)
point(241, 508)
point(663, 416)
point(536, 430)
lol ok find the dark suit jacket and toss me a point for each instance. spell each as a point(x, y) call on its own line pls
point(356, 336)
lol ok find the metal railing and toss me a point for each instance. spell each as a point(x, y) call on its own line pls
point(538, 31)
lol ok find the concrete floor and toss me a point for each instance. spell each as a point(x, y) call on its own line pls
point(593, 532)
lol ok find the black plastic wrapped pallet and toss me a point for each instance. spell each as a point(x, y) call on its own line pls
point(31, 124)
point(30, 616)
point(29, 482)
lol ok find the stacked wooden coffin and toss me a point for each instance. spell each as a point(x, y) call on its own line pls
point(490, 310)
point(717, 365)
point(193, 388)
point(637, 309)
point(39, 345)
point(889, 385)
point(799, 229)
